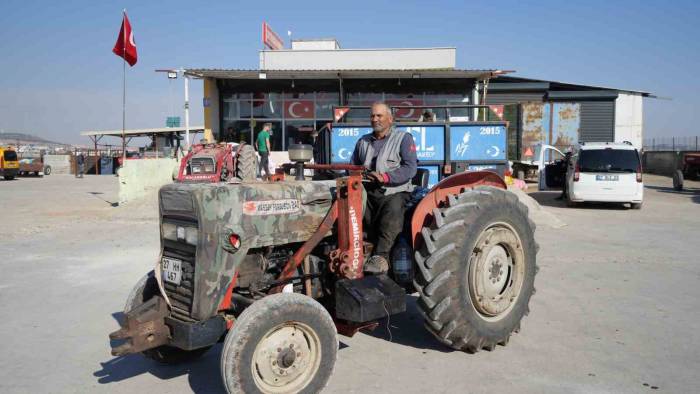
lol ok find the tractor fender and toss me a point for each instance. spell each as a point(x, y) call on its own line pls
point(454, 184)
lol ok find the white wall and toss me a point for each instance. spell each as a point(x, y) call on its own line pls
point(628, 119)
point(141, 179)
point(359, 59)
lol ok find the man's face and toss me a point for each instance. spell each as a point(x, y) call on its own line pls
point(381, 118)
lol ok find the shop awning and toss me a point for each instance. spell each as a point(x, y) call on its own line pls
point(345, 74)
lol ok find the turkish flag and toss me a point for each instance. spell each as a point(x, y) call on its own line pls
point(406, 112)
point(125, 46)
point(300, 109)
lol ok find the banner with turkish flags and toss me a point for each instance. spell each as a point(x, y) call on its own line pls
point(125, 46)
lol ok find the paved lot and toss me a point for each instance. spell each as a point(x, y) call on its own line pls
point(616, 308)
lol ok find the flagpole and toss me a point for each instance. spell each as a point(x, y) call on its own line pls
point(124, 88)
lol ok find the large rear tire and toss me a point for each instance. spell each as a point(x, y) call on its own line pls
point(145, 289)
point(678, 180)
point(246, 163)
point(47, 170)
point(476, 269)
point(283, 343)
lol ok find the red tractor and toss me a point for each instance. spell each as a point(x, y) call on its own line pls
point(690, 169)
point(274, 270)
point(217, 163)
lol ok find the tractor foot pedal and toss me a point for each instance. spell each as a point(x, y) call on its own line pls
point(369, 298)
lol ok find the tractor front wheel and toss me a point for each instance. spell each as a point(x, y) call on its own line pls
point(476, 269)
point(144, 290)
point(283, 343)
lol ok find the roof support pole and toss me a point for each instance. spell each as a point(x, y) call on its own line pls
point(187, 111)
point(341, 90)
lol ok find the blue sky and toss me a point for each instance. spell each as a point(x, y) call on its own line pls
point(58, 75)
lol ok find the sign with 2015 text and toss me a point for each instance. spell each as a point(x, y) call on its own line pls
point(429, 141)
point(478, 142)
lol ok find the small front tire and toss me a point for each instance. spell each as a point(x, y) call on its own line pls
point(283, 343)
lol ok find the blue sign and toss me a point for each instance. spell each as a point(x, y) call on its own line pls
point(433, 175)
point(343, 140)
point(430, 141)
point(478, 142)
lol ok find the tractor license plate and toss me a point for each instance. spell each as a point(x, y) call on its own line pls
point(607, 178)
point(172, 270)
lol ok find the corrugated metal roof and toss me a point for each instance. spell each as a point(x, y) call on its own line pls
point(523, 79)
point(348, 74)
point(143, 132)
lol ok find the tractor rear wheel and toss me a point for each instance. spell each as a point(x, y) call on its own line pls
point(476, 269)
point(144, 290)
point(246, 163)
point(678, 180)
point(283, 343)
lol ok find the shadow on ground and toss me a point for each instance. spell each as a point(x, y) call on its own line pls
point(692, 192)
point(203, 374)
point(97, 195)
point(549, 199)
point(407, 329)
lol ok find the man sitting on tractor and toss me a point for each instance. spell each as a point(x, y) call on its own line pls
point(390, 155)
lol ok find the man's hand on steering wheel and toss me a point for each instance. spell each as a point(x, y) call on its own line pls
point(376, 177)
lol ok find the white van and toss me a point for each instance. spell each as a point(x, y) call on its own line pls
point(600, 172)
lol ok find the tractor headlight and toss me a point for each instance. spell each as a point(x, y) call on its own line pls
point(174, 232)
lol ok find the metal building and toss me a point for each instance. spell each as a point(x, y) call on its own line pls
point(295, 90)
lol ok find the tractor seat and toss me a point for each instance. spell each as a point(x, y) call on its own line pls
point(421, 178)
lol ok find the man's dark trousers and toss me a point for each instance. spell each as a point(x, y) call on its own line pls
point(264, 165)
point(383, 218)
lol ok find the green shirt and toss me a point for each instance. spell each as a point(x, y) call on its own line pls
point(262, 141)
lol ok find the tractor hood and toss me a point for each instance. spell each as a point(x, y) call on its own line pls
point(261, 214)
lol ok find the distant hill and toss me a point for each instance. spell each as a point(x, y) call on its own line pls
point(23, 138)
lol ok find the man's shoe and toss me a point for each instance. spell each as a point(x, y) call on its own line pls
point(376, 265)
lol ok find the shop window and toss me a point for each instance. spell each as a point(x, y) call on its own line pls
point(230, 110)
point(324, 108)
point(267, 109)
point(328, 96)
point(300, 132)
point(236, 131)
point(245, 109)
point(298, 95)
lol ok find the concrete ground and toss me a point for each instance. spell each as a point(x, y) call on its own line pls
point(615, 311)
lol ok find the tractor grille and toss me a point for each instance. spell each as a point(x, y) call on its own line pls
point(181, 296)
point(202, 165)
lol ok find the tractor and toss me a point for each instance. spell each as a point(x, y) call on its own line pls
point(217, 163)
point(274, 270)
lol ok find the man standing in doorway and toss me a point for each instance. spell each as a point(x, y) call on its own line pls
point(390, 155)
point(263, 146)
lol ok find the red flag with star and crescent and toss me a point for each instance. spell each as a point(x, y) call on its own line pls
point(125, 46)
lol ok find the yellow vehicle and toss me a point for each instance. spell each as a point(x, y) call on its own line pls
point(9, 165)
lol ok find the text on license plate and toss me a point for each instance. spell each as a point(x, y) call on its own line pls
point(607, 177)
point(172, 270)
